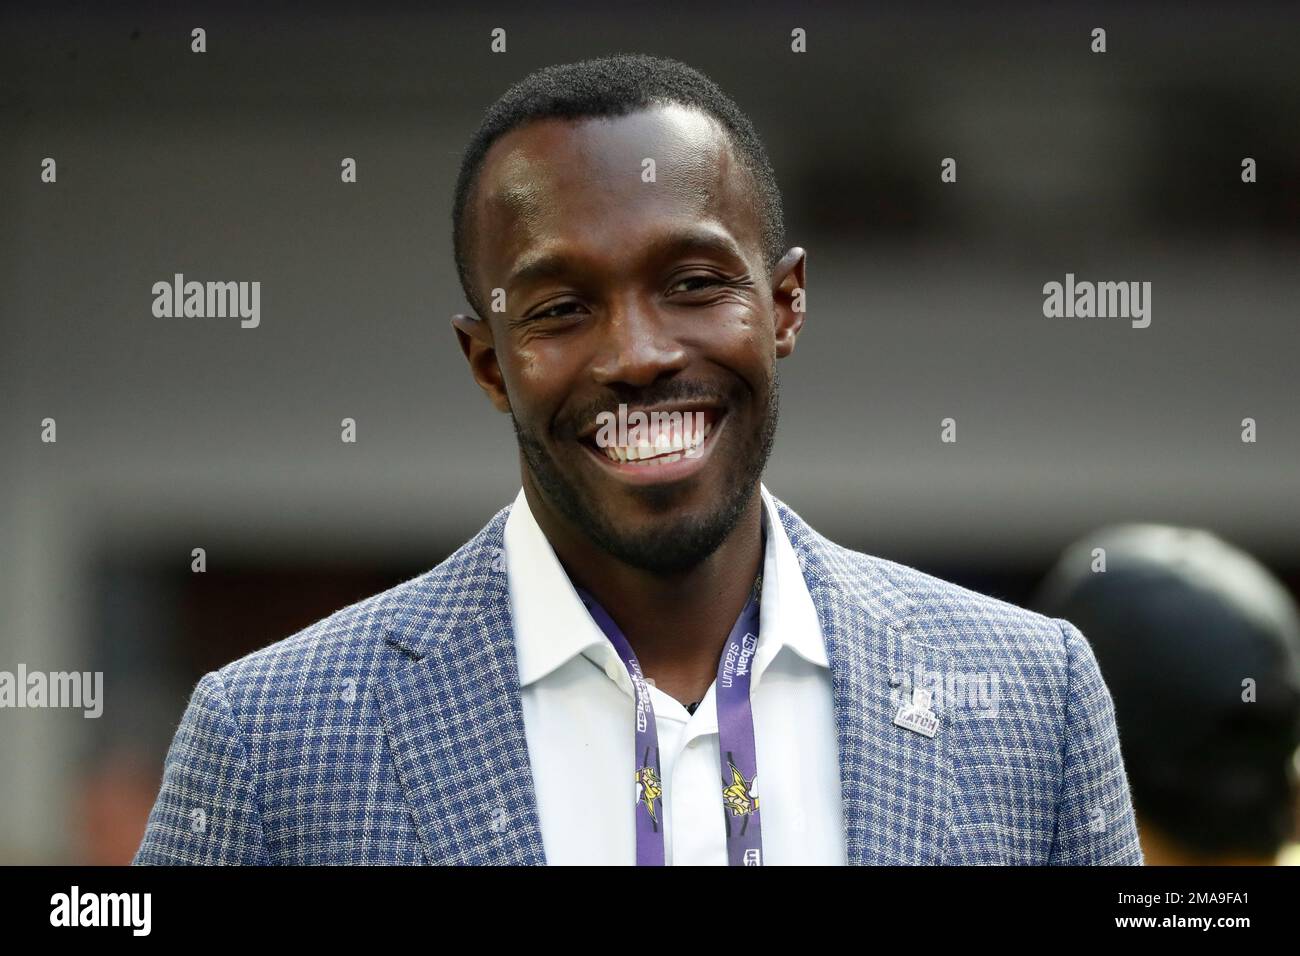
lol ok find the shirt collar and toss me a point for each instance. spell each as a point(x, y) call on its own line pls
point(786, 612)
point(552, 626)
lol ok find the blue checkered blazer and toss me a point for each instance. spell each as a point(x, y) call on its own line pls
point(392, 731)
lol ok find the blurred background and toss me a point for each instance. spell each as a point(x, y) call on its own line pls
point(925, 302)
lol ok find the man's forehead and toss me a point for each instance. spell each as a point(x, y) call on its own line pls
point(591, 151)
point(540, 180)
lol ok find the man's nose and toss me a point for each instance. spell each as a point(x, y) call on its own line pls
point(638, 347)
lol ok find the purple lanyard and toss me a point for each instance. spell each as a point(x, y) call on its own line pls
point(735, 742)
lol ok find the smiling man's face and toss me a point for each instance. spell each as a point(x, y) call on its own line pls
point(654, 295)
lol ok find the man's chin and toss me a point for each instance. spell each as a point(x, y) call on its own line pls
point(664, 529)
point(667, 546)
point(647, 508)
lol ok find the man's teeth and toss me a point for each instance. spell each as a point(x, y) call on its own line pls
point(663, 449)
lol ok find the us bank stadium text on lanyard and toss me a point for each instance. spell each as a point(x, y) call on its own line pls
point(739, 761)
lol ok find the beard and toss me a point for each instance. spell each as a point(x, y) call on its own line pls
point(669, 547)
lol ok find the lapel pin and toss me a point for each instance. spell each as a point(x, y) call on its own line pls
point(917, 715)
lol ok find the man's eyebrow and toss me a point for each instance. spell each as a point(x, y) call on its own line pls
point(697, 240)
point(546, 265)
point(551, 265)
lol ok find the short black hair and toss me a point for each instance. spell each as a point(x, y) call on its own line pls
point(610, 87)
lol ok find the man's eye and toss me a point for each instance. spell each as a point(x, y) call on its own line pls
point(557, 311)
point(694, 283)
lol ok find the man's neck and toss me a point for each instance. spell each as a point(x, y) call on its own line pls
point(676, 624)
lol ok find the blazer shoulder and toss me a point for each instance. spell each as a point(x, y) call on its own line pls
point(936, 612)
point(950, 613)
point(351, 642)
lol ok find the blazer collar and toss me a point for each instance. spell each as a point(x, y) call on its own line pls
point(452, 711)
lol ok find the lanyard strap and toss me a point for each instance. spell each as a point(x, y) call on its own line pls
point(739, 760)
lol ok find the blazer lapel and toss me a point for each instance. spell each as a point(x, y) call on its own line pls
point(896, 783)
point(452, 713)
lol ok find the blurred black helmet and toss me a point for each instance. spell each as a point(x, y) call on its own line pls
point(1200, 647)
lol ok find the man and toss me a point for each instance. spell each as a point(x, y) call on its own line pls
point(1201, 646)
point(605, 673)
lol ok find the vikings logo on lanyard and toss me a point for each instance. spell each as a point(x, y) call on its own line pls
point(735, 741)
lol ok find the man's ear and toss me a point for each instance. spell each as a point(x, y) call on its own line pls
point(475, 337)
point(788, 298)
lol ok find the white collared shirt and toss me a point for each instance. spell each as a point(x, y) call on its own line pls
point(578, 716)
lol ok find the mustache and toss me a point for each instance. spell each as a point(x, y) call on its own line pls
point(669, 393)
